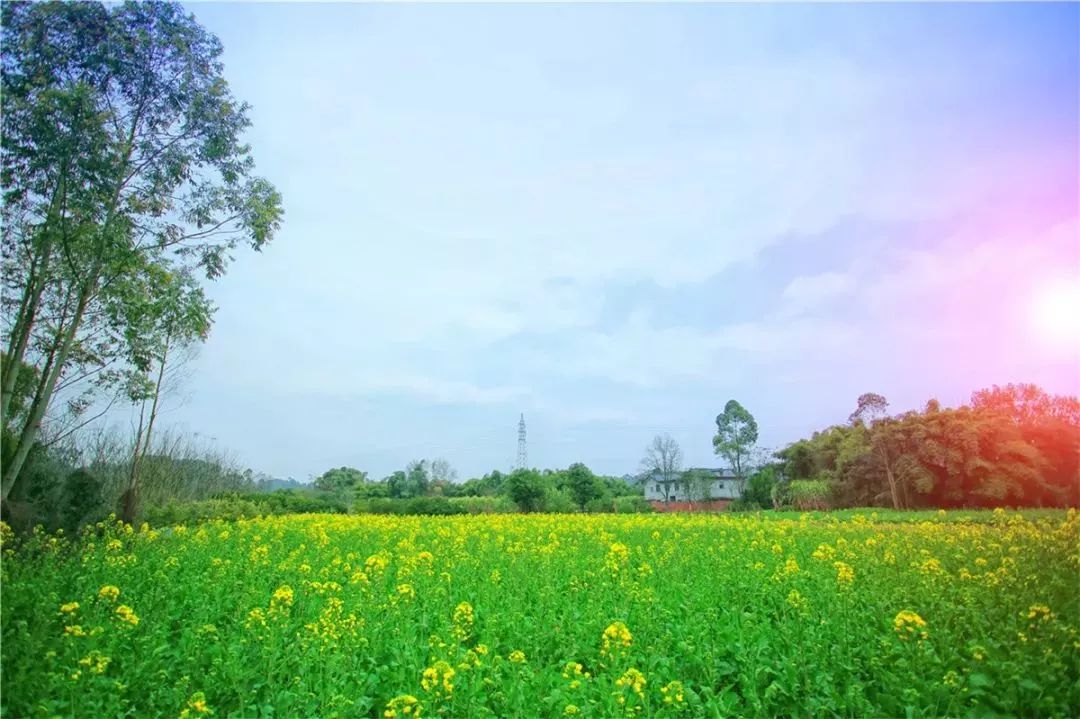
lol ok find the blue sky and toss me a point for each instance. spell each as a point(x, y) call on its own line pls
point(614, 218)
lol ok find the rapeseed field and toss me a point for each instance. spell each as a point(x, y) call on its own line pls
point(547, 616)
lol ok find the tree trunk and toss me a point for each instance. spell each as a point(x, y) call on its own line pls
point(142, 442)
point(44, 395)
point(890, 476)
point(31, 299)
point(24, 325)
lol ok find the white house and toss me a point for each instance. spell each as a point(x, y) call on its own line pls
point(723, 485)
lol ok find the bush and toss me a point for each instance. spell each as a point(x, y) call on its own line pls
point(810, 494)
point(233, 505)
point(744, 505)
point(82, 500)
point(559, 502)
point(760, 486)
point(781, 495)
point(600, 505)
point(440, 506)
point(484, 505)
point(632, 504)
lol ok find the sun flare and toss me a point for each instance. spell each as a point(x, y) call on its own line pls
point(1055, 313)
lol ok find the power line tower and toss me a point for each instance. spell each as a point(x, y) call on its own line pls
point(523, 454)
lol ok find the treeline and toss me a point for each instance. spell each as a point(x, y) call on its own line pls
point(425, 487)
point(1009, 446)
point(84, 477)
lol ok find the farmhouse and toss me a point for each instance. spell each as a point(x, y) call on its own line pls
point(695, 488)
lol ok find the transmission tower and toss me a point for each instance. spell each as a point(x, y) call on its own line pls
point(523, 454)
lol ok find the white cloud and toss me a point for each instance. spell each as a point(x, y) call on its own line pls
point(810, 291)
point(642, 355)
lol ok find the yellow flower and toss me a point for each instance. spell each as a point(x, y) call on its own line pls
point(673, 692)
point(96, 662)
point(517, 656)
point(615, 638)
point(909, 624)
point(406, 591)
point(74, 630)
point(632, 679)
point(618, 556)
point(795, 599)
point(438, 678)
point(463, 620)
point(1036, 612)
point(69, 608)
point(126, 614)
point(282, 599)
point(196, 706)
point(845, 575)
point(404, 705)
point(571, 710)
point(109, 592)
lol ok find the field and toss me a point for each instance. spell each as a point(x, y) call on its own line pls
point(551, 615)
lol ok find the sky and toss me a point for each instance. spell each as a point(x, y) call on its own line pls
point(615, 218)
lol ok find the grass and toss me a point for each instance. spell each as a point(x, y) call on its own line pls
point(836, 614)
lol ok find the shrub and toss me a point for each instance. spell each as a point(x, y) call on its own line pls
point(600, 505)
point(632, 504)
point(810, 494)
point(82, 500)
point(559, 502)
point(484, 505)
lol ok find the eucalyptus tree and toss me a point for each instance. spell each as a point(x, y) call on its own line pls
point(736, 435)
point(123, 166)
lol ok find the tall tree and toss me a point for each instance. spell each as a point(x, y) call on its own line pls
point(583, 484)
point(869, 407)
point(662, 464)
point(166, 316)
point(526, 488)
point(736, 435)
point(122, 160)
point(442, 472)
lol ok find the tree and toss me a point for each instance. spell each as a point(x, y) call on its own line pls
point(697, 484)
point(736, 435)
point(662, 464)
point(869, 407)
point(583, 484)
point(417, 478)
point(760, 485)
point(164, 328)
point(442, 473)
point(340, 480)
point(526, 488)
point(122, 165)
point(397, 485)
